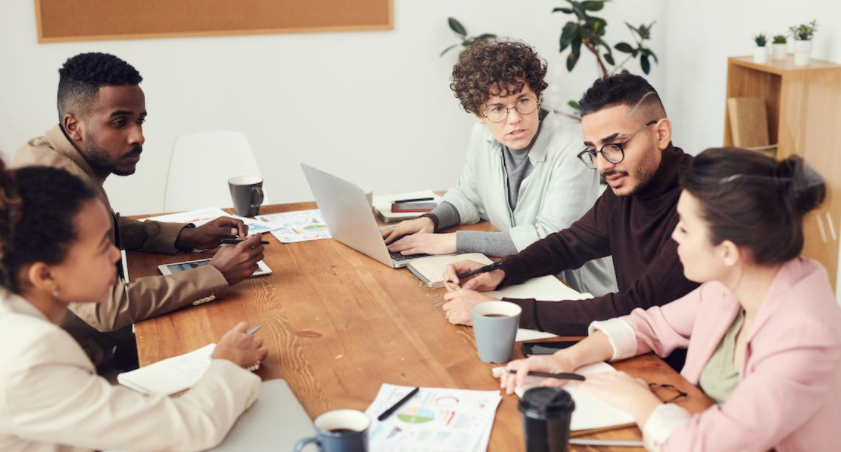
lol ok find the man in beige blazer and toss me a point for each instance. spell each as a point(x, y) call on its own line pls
point(101, 112)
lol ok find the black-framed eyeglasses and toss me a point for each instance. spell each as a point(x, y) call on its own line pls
point(612, 152)
point(666, 392)
point(525, 105)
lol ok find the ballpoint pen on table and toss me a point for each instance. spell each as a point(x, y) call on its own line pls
point(485, 269)
point(397, 405)
point(560, 376)
point(235, 241)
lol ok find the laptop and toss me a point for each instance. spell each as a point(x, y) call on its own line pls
point(349, 217)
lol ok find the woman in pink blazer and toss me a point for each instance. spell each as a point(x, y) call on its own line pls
point(763, 331)
point(55, 249)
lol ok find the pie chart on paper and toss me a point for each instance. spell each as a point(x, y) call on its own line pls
point(415, 415)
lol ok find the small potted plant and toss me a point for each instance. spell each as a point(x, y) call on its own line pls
point(778, 47)
point(760, 52)
point(802, 35)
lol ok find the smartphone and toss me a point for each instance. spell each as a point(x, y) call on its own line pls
point(545, 348)
point(423, 207)
point(169, 269)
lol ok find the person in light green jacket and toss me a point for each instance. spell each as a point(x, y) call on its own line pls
point(522, 172)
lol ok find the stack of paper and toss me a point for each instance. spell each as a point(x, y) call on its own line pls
point(435, 419)
point(590, 412)
point(170, 375)
point(547, 288)
point(203, 216)
point(298, 226)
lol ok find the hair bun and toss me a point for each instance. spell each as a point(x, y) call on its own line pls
point(801, 187)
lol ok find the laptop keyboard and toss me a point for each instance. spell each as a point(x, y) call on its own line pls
point(399, 257)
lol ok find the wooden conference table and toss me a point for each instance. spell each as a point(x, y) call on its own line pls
point(339, 324)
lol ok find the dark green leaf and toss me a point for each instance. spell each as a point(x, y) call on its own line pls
point(579, 10)
point(593, 5)
point(652, 55)
point(646, 66)
point(599, 26)
point(609, 58)
point(574, 105)
point(485, 36)
point(563, 10)
point(625, 71)
point(456, 26)
point(574, 53)
point(570, 31)
point(624, 47)
point(448, 49)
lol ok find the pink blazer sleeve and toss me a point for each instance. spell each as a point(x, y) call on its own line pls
point(662, 329)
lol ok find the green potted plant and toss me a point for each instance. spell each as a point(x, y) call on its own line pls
point(760, 52)
point(778, 47)
point(802, 35)
point(466, 41)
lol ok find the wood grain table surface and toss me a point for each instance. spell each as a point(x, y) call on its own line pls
point(339, 324)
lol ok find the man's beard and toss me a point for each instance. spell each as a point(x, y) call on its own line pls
point(101, 162)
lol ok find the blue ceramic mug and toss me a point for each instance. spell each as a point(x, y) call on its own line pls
point(339, 431)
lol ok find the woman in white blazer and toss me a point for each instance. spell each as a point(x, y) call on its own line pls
point(55, 249)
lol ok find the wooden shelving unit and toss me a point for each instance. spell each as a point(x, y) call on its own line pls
point(804, 118)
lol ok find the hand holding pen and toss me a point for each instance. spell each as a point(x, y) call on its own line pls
point(241, 346)
point(548, 369)
point(484, 278)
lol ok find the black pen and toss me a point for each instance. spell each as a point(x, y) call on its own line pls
point(560, 376)
point(414, 200)
point(235, 241)
point(397, 405)
point(485, 269)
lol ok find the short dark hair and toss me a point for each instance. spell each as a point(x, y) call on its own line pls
point(755, 201)
point(37, 208)
point(82, 75)
point(630, 90)
point(495, 64)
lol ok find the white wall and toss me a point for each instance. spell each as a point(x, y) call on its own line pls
point(701, 37)
point(373, 106)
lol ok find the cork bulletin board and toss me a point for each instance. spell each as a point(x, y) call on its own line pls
point(86, 20)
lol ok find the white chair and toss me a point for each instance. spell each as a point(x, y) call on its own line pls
point(200, 167)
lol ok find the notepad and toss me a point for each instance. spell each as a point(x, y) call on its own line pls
point(171, 375)
point(590, 412)
point(430, 270)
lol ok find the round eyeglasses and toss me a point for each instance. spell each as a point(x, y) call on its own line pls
point(525, 105)
point(612, 152)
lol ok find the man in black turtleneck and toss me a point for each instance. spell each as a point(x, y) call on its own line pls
point(628, 140)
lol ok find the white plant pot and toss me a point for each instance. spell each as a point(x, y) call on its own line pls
point(760, 55)
point(778, 51)
point(802, 52)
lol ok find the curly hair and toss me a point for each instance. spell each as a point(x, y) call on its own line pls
point(82, 75)
point(37, 208)
point(496, 67)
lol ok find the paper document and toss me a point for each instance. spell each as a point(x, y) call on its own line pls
point(590, 412)
point(435, 419)
point(543, 288)
point(171, 375)
point(299, 226)
point(382, 205)
point(203, 216)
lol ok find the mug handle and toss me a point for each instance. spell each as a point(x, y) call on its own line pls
point(259, 192)
point(302, 443)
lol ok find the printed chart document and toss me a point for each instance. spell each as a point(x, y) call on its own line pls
point(203, 216)
point(299, 226)
point(435, 419)
point(542, 288)
point(382, 205)
point(590, 412)
point(171, 375)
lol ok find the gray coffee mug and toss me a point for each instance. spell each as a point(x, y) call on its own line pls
point(247, 194)
point(495, 325)
point(339, 431)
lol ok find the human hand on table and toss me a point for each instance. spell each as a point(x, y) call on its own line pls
point(407, 227)
point(624, 392)
point(210, 235)
point(555, 363)
point(483, 282)
point(457, 305)
point(425, 243)
point(241, 348)
point(237, 262)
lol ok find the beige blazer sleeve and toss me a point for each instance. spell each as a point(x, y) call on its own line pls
point(53, 396)
point(152, 296)
point(148, 236)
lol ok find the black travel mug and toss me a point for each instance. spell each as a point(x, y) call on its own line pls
point(546, 415)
